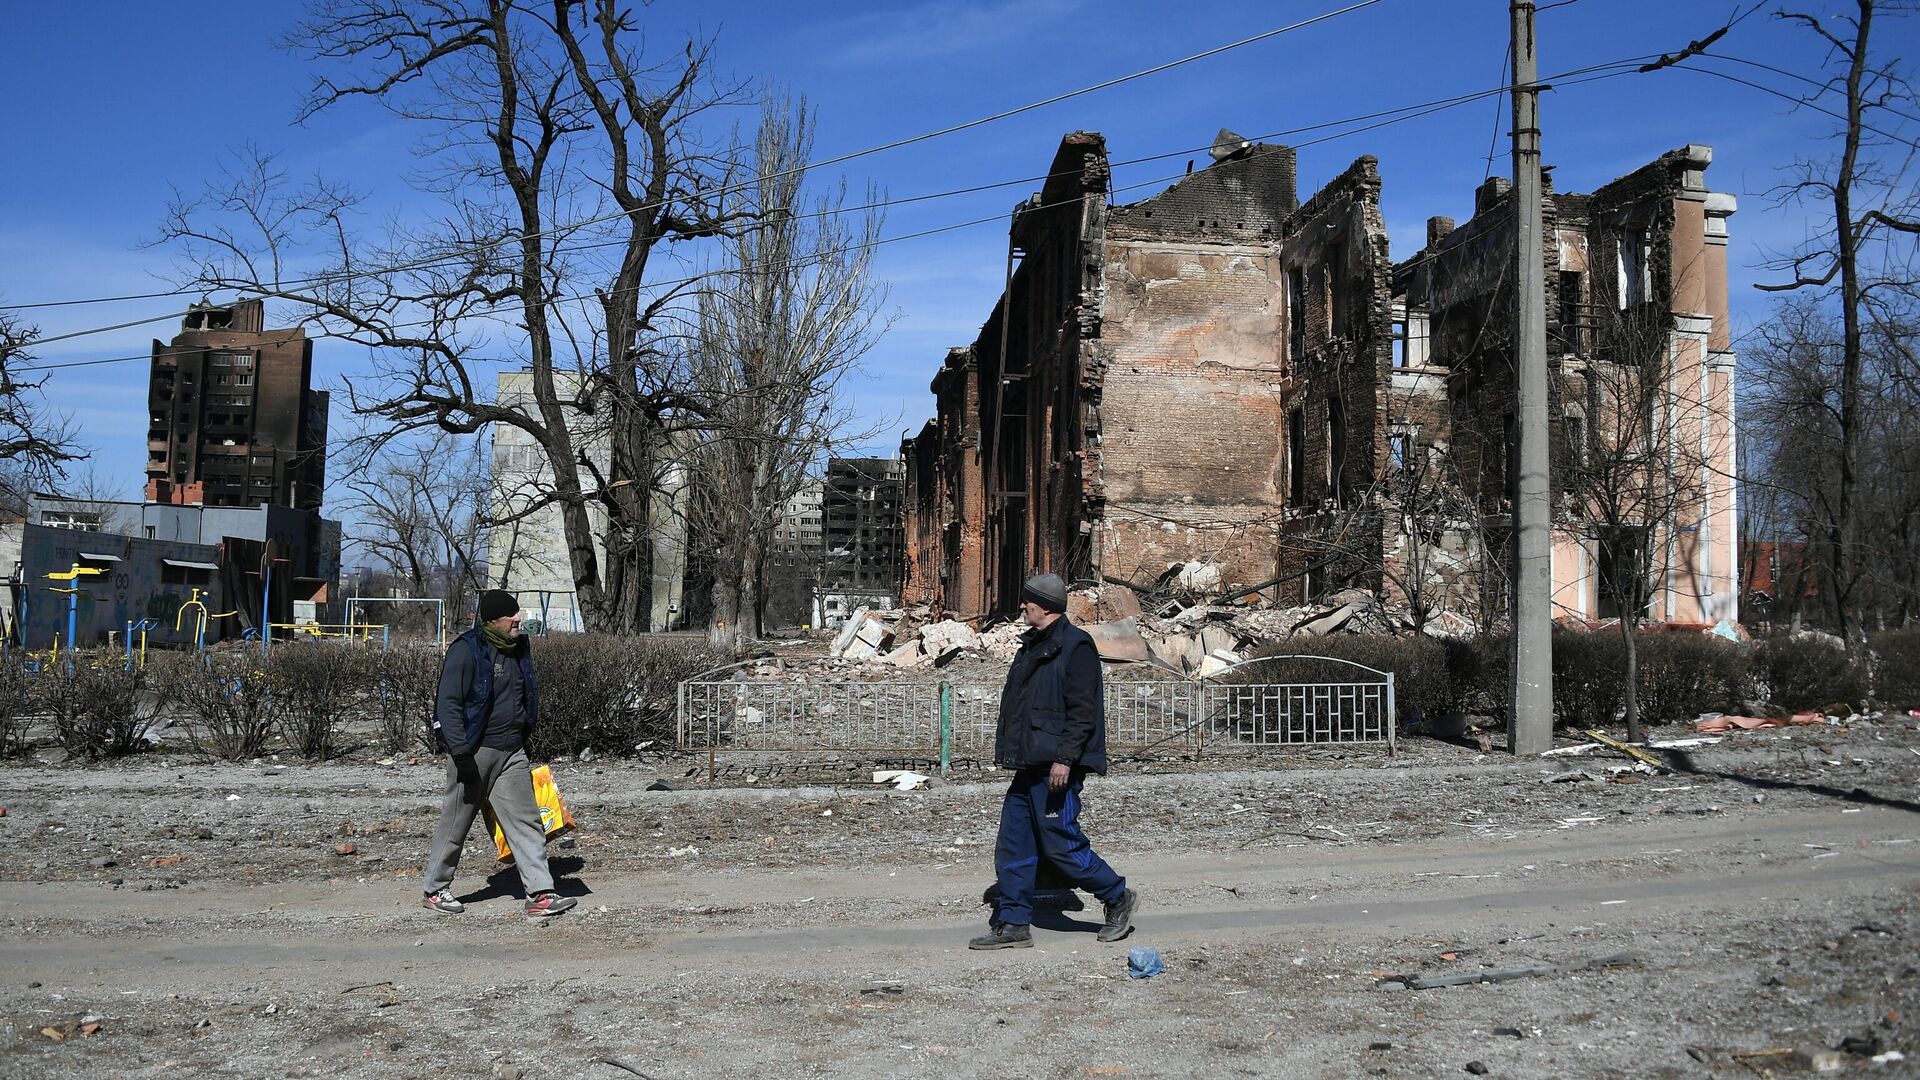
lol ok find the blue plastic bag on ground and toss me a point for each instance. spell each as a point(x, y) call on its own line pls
point(1143, 963)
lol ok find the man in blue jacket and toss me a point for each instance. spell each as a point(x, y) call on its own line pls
point(1053, 731)
point(483, 714)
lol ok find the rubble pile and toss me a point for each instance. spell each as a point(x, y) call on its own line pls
point(1197, 628)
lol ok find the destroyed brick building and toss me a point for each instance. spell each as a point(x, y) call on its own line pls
point(1223, 375)
point(1638, 337)
point(235, 419)
point(1193, 377)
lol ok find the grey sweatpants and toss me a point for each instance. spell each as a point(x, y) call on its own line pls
point(505, 779)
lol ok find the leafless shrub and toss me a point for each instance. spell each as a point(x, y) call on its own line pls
point(229, 701)
point(100, 709)
point(316, 684)
point(16, 705)
point(405, 679)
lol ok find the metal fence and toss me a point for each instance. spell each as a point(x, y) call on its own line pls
point(721, 711)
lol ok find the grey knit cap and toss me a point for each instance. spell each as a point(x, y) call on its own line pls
point(1047, 590)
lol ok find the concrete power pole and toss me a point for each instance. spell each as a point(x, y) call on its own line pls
point(1530, 724)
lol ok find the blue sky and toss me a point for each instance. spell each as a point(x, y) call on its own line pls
point(112, 111)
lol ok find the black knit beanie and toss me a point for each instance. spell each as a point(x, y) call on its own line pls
point(495, 604)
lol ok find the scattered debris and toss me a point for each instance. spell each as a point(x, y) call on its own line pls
point(1498, 975)
point(1633, 752)
point(1748, 723)
point(901, 779)
point(618, 1064)
point(1144, 963)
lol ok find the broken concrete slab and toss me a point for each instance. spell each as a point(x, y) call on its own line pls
point(908, 655)
point(1216, 662)
point(948, 634)
point(868, 639)
point(1329, 623)
point(1169, 650)
point(1119, 640)
point(847, 630)
point(1216, 637)
point(1107, 603)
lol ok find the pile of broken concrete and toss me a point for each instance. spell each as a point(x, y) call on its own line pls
point(1195, 641)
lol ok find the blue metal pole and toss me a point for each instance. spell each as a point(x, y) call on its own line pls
point(266, 605)
point(73, 621)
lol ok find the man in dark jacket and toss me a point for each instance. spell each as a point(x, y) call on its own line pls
point(483, 714)
point(1053, 731)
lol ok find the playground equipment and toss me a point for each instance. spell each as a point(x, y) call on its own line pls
point(351, 631)
point(439, 613)
point(73, 605)
point(267, 559)
point(141, 627)
point(205, 616)
point(543, 604)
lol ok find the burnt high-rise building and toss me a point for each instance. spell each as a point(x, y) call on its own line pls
point(234, 419)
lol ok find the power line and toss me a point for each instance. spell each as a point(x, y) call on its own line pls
point(1393, 115)
point(744, 184)
point(1383, 118)
point(1827, 87)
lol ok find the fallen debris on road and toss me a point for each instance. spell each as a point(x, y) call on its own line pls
point(1498, 975)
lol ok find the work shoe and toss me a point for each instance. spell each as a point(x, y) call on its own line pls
point(1004, 936)
point(442, 902)
point(541, 905)
point(1120, 916)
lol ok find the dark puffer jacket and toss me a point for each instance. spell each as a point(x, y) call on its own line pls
point(1051, 709)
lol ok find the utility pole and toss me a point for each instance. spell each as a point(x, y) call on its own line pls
point(1530, 723)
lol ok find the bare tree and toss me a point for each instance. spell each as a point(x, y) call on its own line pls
point(421, 510)
point(776, 332)
point(1873, 208)
point(565, 162)
point(34, 443)
point(1794, 402)
point(1636, 481)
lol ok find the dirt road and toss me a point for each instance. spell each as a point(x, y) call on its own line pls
point(821, 931)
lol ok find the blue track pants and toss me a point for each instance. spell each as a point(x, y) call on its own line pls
point(1037, 823)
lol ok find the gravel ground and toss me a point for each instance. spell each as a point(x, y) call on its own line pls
point(203, 917)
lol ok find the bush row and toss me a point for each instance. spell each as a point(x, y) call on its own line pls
point(609, 695)
point(597, 692)
point(1678, 675)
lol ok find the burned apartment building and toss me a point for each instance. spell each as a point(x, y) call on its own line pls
point(1641, 412)
point(234, 419)
point(790, 578)
point(1220, 373)
point(860, 536)
point(1198, 376)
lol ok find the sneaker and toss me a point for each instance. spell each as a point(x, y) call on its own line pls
point(442, 902)
point(541, 905)
point(1120, 916)
point(1004, 936)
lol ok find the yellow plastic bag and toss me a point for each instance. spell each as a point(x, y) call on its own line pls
point(555, 819)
